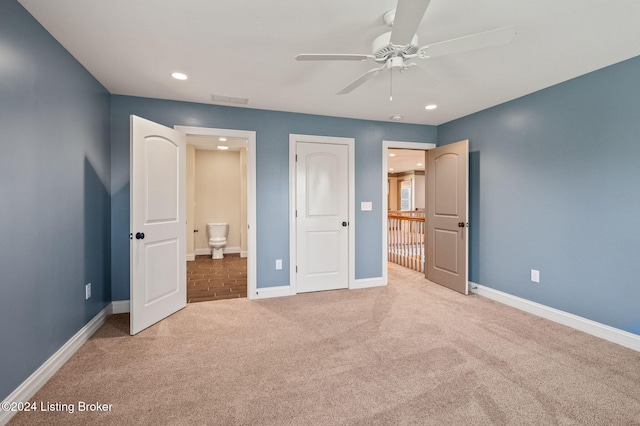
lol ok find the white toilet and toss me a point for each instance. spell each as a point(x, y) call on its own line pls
point(217, 238)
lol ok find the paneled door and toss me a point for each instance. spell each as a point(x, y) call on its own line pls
point(158, 217)
point(447, 212)
point(322, 216)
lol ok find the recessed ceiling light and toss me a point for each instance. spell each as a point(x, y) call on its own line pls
point(419, 164)
point(390, 170)
point(179, 76)
point(223, 147)
point(432, 106)
point(222, 139)
point(392, 155)
point(396, 117)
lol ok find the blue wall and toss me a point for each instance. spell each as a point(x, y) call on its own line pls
point(272, 175)
point(555, 186)
point(54, 175)
point(553, 177)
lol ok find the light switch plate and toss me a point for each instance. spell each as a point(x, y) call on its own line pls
point(366, 206)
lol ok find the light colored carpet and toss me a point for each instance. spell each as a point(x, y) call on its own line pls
point(410, 353)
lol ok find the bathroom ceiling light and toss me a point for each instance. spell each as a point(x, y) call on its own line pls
point(419, 164)
point(179, 76)
point(432, 106)
point(391, 169)
point(222, 139)
point(223, 147)
point(392, 155)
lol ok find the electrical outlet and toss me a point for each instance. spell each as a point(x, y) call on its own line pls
point(535, 275)
point(278, 263)
point(87, 291)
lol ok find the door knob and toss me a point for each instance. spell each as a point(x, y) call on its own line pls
point(460, 224)
point(139, 235)
point(345, 223)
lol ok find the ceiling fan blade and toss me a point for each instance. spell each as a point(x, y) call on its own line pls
point(409, 13)
point(470, 42)
point(422, 77)
point(361, 80)
point(333, 57)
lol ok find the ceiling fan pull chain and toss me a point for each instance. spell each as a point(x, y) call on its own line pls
point(390, 84)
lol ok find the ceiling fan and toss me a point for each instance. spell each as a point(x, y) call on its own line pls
point(394, 49)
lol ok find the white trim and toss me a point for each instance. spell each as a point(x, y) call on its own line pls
point(269, 292)
point(368, 283)
point(191, 257)
point(226, 250)
point(35, 381)
point(350, 143)
point(384, 205)
point(244, 253)
point(120, 307)
point(597, 329)
point(250, 136)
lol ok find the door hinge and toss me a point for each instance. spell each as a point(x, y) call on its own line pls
point(296, 269)
point(296, 213)
point(296, 157)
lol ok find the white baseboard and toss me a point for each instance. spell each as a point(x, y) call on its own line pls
point(368, 283)
point(244, 253)
point(268, 292)
point(33, 383)
point(120, 307)
point(226, 250)
point(191, 257)
point(594, 328)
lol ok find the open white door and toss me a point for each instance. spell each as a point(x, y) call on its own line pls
point(447, 200)
point(322, 216)
point(158, 214)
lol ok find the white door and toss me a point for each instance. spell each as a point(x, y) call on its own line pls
point(158, 215)
point(446, 220)
point(322, 216)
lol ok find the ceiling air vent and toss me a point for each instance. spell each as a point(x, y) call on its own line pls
point(229, 99)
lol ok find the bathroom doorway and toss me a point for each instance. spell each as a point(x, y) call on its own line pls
point(220, 190)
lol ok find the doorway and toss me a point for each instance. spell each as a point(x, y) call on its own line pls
point(445, 235)
point(408, 223)
point(241, 245)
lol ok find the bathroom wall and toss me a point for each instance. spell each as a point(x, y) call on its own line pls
point(217, 196)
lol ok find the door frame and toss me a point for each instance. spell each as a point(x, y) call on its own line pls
point(250, 136)
point(424, 146)
point(293, 258)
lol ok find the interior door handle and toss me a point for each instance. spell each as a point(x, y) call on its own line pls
point(460, 224)
point(139, 235)
point(345, 223)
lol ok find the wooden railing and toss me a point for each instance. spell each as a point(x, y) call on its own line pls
point(405, 239)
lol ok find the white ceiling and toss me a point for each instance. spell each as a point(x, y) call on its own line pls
point(246, 49)
point(403, 160)
point(211, 143)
